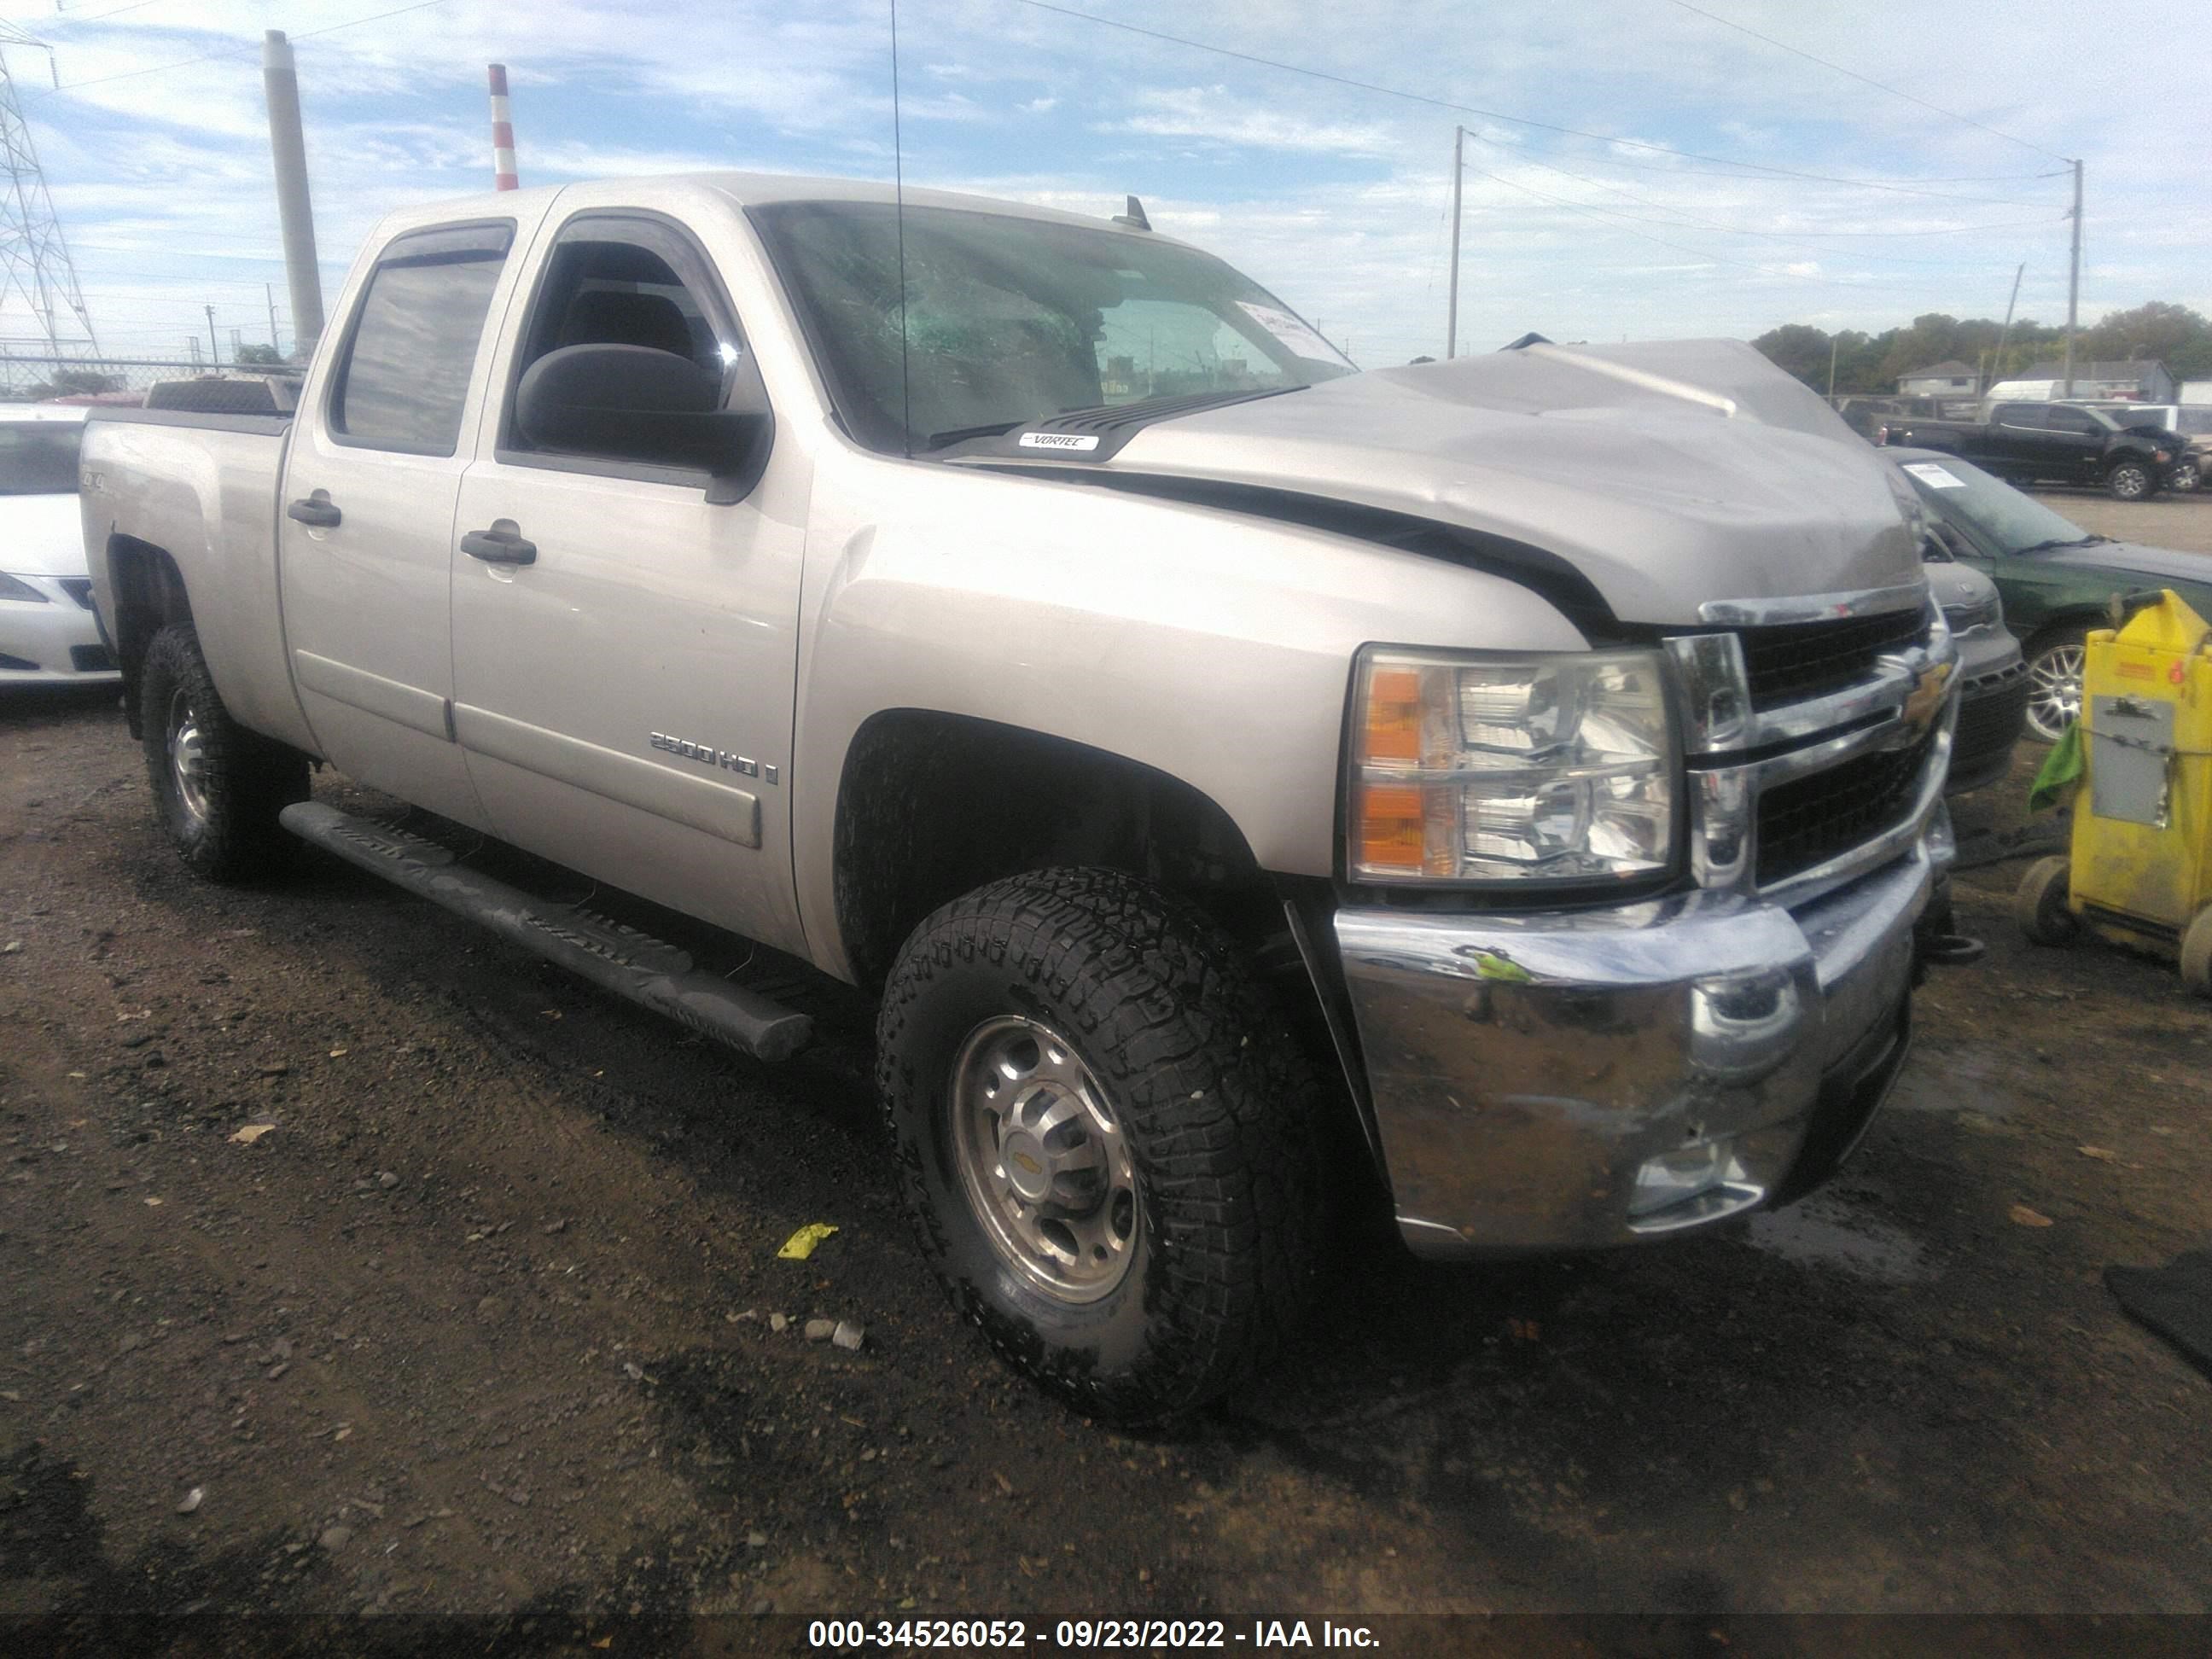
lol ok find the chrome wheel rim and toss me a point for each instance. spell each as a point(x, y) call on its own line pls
point(1042, 1160)
point(2054, 697)
point(188, 760)
point(2128, 483)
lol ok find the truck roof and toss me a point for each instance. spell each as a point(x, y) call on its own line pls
point(752, 190)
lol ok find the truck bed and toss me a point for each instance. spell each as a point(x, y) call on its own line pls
point(203, 489)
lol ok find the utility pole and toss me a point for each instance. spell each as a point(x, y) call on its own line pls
point(269, 288)
point(1451, 305)
point(2073, 286)
point(215, 348)
point(1831, 368)
point(1997, 372)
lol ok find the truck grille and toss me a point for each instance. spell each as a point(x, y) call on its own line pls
point(1790, 662)
point(1809, 820)
point(1991, 711)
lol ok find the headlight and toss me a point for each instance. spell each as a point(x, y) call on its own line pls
point(1475, 768)
point(20, 593)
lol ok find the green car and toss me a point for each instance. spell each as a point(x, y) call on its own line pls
point(2057, 580)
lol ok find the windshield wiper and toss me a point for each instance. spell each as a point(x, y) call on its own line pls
point(960, 435)
point(2055, 541)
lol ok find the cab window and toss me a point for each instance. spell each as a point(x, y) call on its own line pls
point(619, 280)
point(404, 376)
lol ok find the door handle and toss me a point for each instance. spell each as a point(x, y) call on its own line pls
point(316, 510)
point(499, 547)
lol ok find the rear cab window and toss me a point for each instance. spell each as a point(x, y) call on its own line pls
point(402, 380)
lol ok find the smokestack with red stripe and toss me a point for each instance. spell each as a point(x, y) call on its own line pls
point(502, 133)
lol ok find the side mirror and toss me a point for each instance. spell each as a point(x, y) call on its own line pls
point(634, 403)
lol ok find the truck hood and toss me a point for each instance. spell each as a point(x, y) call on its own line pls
point(42, 536)
point(1663, 502)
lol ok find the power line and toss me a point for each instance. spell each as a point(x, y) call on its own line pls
point(1826, 178)
point(1767, 270)
point(1773, 235)
point(242, 51)
point(1471, 109)
point(94, 17)
point(1865, 80)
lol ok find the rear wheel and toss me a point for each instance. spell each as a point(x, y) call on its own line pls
point(2039, 907)
point(1107, 1138)
point(2128, 481)
point(217, 787)
point(2055, 663)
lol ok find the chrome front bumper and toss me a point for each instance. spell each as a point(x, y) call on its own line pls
point(1569, 1079)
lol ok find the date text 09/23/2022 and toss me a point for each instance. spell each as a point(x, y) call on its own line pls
point(1084, 1634)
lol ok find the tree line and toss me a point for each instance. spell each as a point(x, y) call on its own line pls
point(2175, 335)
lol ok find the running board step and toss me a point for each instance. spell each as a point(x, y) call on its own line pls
point(631, 965)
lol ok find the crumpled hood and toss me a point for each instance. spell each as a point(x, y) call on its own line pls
point(1661, 502)
point(42, 536)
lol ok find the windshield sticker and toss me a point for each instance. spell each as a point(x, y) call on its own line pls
point(1055, 441)
point(1293, 333)
point(1934, 475)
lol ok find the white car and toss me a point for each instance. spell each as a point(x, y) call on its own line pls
point(48, 633)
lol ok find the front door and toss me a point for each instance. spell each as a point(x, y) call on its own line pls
point(625, 648)
point(2077, 445)
point(366, 530)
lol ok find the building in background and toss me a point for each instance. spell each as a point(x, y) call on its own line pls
point(2142, 380)
point(1946, 378)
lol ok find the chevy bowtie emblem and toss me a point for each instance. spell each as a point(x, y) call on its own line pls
point(1927, 699)
point(1027, 1162)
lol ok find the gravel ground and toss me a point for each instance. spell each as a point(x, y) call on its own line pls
point(484, 1323)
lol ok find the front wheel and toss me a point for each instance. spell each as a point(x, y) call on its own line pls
point(2055, 663)
point(1106, 1135)
point(2128, 481)
point(217, 787)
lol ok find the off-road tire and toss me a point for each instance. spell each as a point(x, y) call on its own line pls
point(247, 779)
point(1217, 1101)
point(2197, 954)
point(2039, 907)
point(2130, 481)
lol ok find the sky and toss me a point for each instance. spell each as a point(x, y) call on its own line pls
point(1710, 182)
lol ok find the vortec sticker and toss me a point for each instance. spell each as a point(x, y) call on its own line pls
point(1055, 441)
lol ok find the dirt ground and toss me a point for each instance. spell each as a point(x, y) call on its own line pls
point(482, 1324)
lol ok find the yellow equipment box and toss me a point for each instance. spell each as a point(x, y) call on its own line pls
point(2141, 867)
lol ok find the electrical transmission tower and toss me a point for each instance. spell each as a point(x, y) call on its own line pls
point(34, 259)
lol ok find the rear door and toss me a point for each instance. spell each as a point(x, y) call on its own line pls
point(366, 510)
point(623, 692)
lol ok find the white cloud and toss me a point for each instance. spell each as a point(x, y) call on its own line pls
point(1214, 116)
point(1334, 195)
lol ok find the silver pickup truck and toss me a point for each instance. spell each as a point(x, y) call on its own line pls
point(1525, 772)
